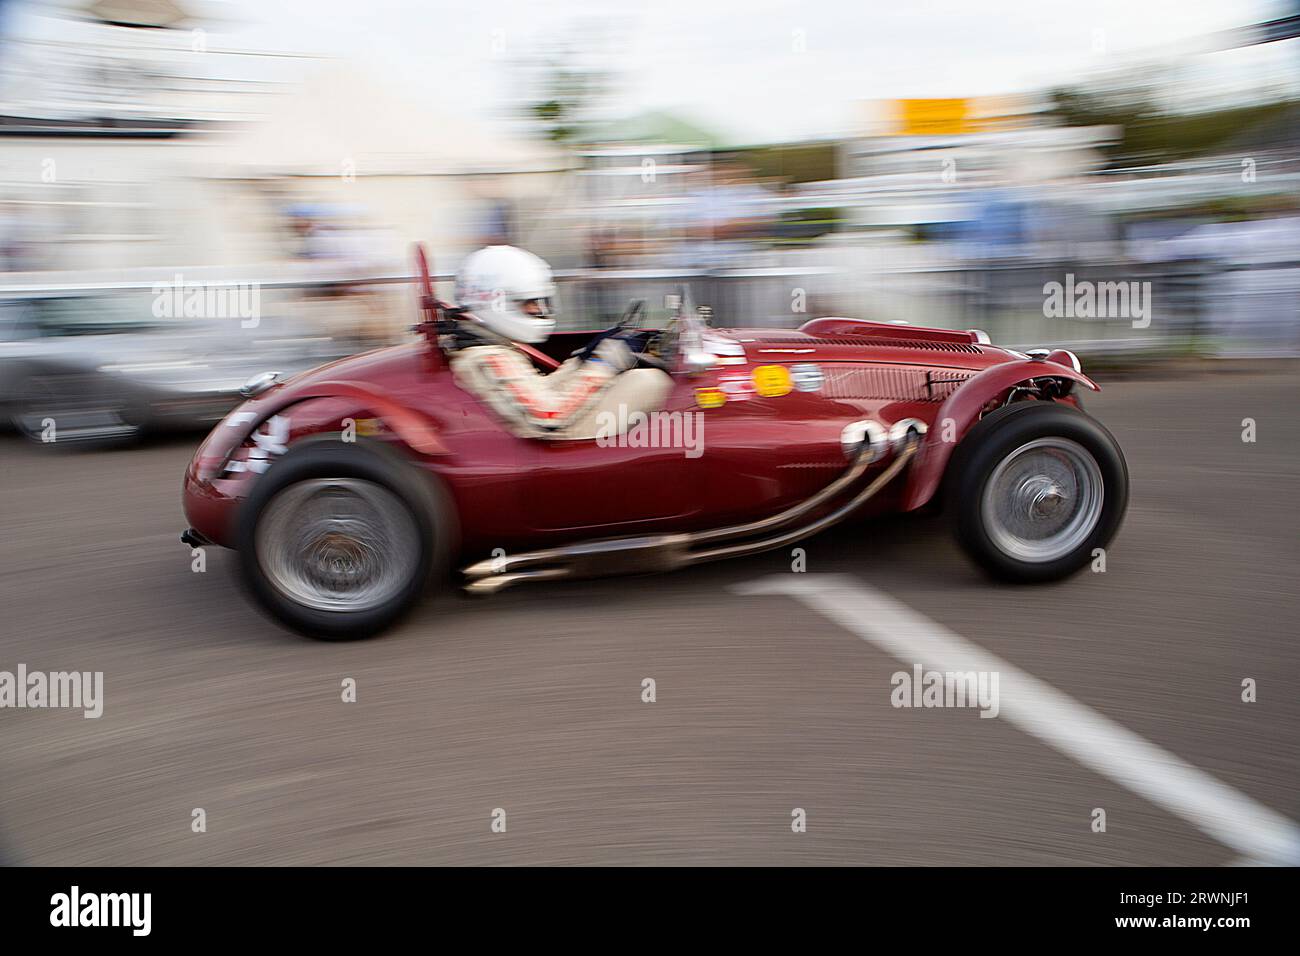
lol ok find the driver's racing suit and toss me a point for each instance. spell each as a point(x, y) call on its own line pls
point(533, 403)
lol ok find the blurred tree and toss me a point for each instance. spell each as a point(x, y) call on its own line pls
point(1156, 130)
point(574, 82)
point(569, 94)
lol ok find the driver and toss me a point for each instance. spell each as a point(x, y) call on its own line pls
point(508, 293)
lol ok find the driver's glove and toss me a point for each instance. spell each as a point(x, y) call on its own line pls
point(614, 353)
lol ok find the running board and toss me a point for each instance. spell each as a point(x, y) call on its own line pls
point(668, 552)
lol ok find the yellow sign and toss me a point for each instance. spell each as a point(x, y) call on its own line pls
point(944, 117)
point(772, 380)
point(710, 397)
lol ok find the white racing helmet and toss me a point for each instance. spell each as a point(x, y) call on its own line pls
point(495, 282)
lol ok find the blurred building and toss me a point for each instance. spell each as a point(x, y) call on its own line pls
point(97, 105)
point(403, 168)
point(920, 161)
point(130, 142)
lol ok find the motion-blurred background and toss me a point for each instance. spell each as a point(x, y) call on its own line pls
point(936, 165)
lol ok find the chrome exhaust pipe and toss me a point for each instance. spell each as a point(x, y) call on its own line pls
point(591, 559)
point(667, 552)
point(821, 524)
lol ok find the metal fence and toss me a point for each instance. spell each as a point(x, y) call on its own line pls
point(1249, 309)
point(1166, 308)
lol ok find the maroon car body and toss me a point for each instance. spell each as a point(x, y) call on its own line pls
point(762, 454)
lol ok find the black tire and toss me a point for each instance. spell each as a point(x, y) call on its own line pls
point(320, 461)
point(47, 397)
point(995, 440)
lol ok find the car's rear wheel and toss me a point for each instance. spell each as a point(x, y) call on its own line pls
point(1036, 488)
point(48, 412)
point(338, 541)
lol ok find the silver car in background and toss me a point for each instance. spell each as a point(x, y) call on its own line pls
point(100, 367)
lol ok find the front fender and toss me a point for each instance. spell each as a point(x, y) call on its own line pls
point(223, 469)
point(412, 428)
point(960, 413)
point(322, 407)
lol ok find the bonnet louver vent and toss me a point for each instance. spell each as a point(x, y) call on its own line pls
point(922, 344)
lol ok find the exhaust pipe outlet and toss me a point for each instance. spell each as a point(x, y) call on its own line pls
point(904, 432)
point(864, 438)
point(194, 538)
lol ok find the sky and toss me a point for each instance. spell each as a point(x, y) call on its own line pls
point(754, 70)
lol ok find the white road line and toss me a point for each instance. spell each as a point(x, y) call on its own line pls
point(1058, 720)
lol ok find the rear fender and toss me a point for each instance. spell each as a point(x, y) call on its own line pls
point(963, 409)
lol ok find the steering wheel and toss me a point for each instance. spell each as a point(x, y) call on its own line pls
point(652, 361)
point(626, 321)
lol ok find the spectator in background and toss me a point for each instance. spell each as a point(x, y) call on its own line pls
point(492, 215)
point(20, 248)
point(726, 209)
point(497, 228)
point(339, 244)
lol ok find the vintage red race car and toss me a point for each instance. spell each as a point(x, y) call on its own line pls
point(348, 489)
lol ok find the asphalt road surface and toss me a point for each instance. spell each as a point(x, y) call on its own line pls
point(1121, 691)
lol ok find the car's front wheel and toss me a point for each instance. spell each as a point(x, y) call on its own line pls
point(1036, 488)
point(338, 541)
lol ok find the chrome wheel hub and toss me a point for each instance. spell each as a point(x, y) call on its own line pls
point(1043, 500)
point(337, 544)
point(1040, 496)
